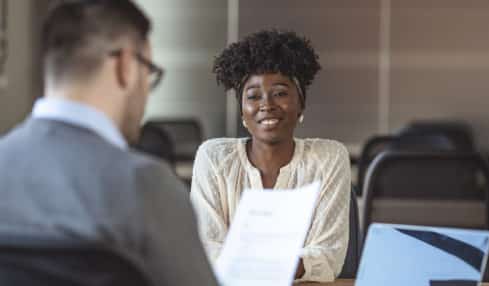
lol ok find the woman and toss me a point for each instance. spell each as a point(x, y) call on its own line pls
point(270, 71)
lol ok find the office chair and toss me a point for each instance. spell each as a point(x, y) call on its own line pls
point(407, 142)
point(374, 146)
point(445, 177)
point(458, 132)
point(185, 134)
point(156, 142)
point(34, 261)
point(350, 265)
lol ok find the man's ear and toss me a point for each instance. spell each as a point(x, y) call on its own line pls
point(124, 68)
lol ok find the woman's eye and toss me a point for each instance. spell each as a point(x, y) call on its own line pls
point(252, 96)
point(280, 94)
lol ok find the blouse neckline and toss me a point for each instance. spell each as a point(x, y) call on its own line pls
point(284, 172)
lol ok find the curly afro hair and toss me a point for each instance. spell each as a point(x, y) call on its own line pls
point(267, 51)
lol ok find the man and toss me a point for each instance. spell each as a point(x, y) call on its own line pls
point(67, 171)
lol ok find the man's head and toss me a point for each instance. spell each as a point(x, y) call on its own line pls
point(97, 52)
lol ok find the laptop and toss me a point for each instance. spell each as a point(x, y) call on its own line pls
point(405, 255)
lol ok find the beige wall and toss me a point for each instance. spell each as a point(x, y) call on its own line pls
point(440, 62)
point(436, 64)
point(342, 102)
point(187, 35)
point(17, 96)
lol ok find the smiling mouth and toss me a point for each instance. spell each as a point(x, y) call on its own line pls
point(269, 122)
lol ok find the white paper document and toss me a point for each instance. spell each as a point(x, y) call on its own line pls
point(266, 237)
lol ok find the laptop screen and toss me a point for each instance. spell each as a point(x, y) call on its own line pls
point(413, 255)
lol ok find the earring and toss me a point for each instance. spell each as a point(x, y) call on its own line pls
point(301, 118)
point(244, 124)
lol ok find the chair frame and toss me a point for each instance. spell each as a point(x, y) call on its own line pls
point(195, 122)
point(385, 157)
point(352, 258)
point(54, 249)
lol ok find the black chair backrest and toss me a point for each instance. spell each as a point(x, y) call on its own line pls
point(186, 135)
point(422, 143)
point(458, 132)
point(155, 141)
point(350, 265)
point(408, 142)
point(425, 176)
point(40, 262)
point(374, 146)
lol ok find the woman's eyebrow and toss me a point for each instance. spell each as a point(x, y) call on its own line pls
point(252, 86)
point(281, 84)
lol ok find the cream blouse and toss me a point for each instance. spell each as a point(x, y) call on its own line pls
point(222, 171)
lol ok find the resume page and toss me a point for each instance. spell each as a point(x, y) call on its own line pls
point(266, 237)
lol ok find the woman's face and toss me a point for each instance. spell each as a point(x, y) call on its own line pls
point(271, 107)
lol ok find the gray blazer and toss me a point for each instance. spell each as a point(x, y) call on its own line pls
point(62, 180)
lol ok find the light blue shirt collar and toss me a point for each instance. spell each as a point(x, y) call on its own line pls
point(79, 114)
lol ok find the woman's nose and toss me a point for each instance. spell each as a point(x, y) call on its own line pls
point(267, 103)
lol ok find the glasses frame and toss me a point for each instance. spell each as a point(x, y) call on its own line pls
point(152, 67)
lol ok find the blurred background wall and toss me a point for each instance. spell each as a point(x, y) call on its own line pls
point(187, 35)
point(342, 103)
point(385, 62)
point(20, 82)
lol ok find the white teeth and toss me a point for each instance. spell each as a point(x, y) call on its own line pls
point(269, 121)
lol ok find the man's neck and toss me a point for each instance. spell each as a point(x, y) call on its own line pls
point(90, 96)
